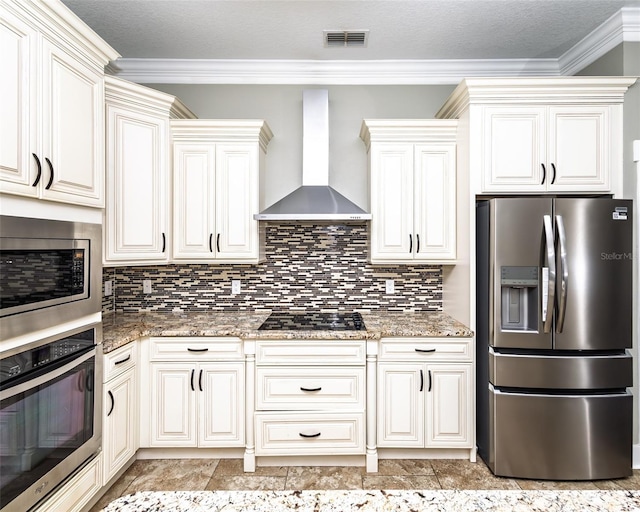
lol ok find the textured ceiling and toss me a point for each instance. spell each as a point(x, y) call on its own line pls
point(293, 29)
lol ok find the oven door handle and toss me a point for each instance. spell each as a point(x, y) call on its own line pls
point(43, 379)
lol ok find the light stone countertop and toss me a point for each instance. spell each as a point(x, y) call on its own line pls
point(122, 328)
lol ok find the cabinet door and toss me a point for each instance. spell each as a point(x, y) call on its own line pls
point(579, 148)
point(392, 202)
point(120, 422)
point(435, 202)
point(401, 401)
point(173, 404)
point(18, 169)
point(136, 214)
point(221, 404)
point(448, 416)
point(236, 201)
point(514, 149)
point(72, 129)
point(194, 234)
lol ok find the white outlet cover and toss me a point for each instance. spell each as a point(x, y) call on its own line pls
point(390, 286)
point(235, 287)
point(108, 288)
point(146, 286)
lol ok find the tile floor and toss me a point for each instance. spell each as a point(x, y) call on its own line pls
point(227, 474)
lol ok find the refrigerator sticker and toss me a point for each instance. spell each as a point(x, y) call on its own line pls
point(620, 213)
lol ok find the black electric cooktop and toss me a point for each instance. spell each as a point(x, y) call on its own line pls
point(311, 321)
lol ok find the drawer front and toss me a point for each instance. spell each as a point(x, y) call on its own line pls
point(195, 348)
point(426, 349)
point(120, 360)
point(305, 352)
point(310, 388)
point(310, 434)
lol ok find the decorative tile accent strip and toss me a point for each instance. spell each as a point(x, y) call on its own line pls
point(308, 266)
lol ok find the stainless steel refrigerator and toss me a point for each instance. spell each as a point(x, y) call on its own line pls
point(554, 325)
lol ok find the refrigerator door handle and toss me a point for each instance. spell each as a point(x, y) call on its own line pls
point(551, 262)
point(564, 272)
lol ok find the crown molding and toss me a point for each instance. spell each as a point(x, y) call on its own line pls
point(622, 26)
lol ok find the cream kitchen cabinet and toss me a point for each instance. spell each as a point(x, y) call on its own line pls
point(138, 176)
point(425, 393)
point(216, 177)
point(196, 393)
point(539, 134)
point(120, 404)
point(52, 118)
point(310, 397)
point(412, 167)
point(549, 148)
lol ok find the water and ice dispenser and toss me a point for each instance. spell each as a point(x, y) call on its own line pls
point(519, 296)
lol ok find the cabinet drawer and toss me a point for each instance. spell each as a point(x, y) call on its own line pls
point(310, 388)
point(315, 352)
point(310, 434)
point(426, 349)
point(120, 360)
point(195, 348)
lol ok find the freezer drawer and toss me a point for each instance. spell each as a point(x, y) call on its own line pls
point(556, 371)
point(560, 437)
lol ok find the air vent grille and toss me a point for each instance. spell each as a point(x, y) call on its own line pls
point(344, 38)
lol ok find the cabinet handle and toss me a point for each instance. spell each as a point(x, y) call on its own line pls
point(553, 180)
point(425, 350)
point(113, 403)
point(197, 349)
point(211, 242)
point(37, 180)
point(50, 177)
point(123, 360)
point(429, 371)
point(310, 389)
point(410, 243)
point(200, 381)
point(164, 242)
point(544, 174)
point(309, 435)
point(218, 242)
point(421, 380)
point(192, 373)
point(417, 243)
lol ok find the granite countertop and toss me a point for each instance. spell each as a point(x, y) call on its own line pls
point(122, 328)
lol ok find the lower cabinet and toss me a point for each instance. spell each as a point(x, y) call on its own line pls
point(425, 401)
point(120, 406)
point(196, 393)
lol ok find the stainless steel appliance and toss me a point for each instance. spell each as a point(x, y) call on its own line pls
point(50, 400)
point(50, 273)
point(554, 307)
point(313, 321)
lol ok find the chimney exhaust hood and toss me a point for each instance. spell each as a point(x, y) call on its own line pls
point(315, 199)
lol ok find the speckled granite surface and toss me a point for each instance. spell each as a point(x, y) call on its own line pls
point(120, 329)
point(401, 501)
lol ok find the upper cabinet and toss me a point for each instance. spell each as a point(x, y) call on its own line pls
point(52, 114)
point(541, 135)
point(412, 165)
point(138, 175)
point(216, 177)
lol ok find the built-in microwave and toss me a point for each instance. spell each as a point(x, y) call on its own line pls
point(50, 273)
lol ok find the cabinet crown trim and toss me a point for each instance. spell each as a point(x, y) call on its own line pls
point(222, 130)
point(542, 91)
point(408, 130)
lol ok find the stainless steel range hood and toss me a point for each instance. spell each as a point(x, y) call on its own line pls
point(315, 199)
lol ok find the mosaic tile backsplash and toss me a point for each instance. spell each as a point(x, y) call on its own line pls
point(307, 266)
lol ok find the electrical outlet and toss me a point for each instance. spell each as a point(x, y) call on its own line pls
point(390, 286)
point(235, 287)
point(146, 286)
point(108, 288)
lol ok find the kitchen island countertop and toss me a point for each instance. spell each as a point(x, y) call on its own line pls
point(122, 328)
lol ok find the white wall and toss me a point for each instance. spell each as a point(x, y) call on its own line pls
point(281, 107)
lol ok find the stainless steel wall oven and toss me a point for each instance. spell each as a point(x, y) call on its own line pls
point(50, 273)
point(50, 398)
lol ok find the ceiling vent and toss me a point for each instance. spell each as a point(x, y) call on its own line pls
point(344, 38)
